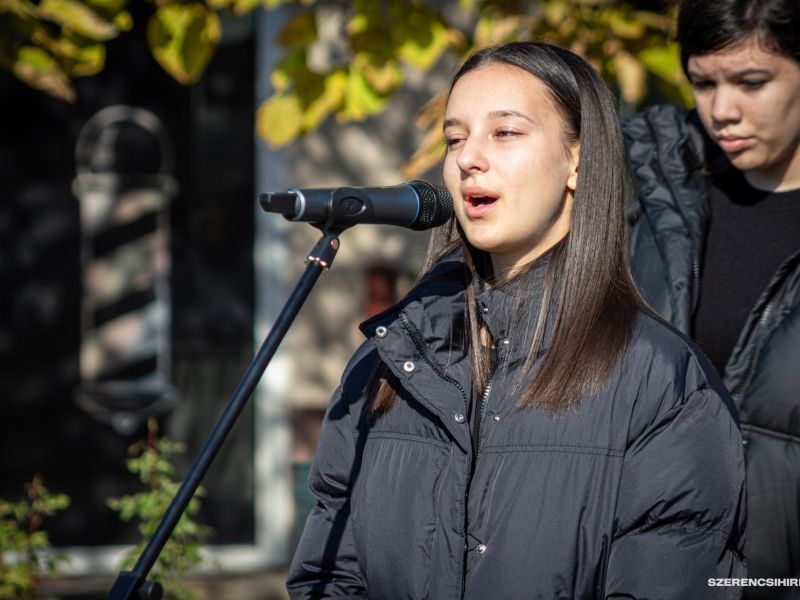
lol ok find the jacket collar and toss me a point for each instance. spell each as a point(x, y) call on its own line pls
point(435, 308)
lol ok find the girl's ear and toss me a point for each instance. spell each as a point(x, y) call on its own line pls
point(572, 180)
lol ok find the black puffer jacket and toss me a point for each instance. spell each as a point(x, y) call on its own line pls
point(636, 494)
point(669, 154)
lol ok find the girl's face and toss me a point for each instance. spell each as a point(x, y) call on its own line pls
point(749, 101)
point(511, 177)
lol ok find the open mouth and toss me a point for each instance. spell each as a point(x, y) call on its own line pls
point(476, 200)
point(479, 204)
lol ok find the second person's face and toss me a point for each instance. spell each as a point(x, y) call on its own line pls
point(748, 99)
point(507, 167)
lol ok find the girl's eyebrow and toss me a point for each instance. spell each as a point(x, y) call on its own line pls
point(495, 114)
point(746, 72)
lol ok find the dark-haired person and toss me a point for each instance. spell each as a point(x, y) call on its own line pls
point(715, 245)
point(518, 426)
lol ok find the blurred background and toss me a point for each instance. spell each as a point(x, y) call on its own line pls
point(138, 275)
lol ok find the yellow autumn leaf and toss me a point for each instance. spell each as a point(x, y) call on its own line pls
point(78, 17)
point(183, 38)
point(269, 4)
point(84, 57)
point(383, 74)
point(331, 99)
point(123, 21)
point(280, 80)
point(422, 40)
point(24, 9)
point(361, 100)
point(279, 120)
point(624, 25)
point(38, 69)
point(496, 29)
point(300, 30)
point(106, 7)
point(663, 61)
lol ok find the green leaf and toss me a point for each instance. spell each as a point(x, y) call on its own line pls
point(107, 7)
point(85, 56)
point(123, 21)
point(360, 100)
point(279, 120)
point(383, 75)
point(37, 68)
point(495, 28)
point(78, 17)
point(21, 8)
point(623, 25)
point(663, 61)
point(269, 4)
point(299, 31)
point(422, 40)
point(183, 38)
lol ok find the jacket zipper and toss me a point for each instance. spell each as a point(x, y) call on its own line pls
point(480, 412)
point(421, 347)
point(738, 394)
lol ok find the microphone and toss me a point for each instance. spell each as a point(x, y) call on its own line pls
point(417, 205)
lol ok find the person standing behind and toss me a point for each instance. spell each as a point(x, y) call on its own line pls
point(715, 241)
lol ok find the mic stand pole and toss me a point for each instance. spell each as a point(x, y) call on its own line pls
point(133, 584)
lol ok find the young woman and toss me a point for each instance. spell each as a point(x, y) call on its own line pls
point(715, 245)
point(518, 426)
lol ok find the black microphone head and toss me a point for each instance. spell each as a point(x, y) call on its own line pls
point(436, 205)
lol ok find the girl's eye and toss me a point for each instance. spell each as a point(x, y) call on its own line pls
point(753, 84)
point(506, 133)
point(702, 85)
point(451, 142)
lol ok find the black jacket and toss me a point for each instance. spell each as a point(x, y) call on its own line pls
point(636, 494)
point(670, 156)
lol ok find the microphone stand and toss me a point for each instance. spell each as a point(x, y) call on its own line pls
point(133, 584)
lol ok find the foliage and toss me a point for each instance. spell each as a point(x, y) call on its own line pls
point(350, 73)
point(47, 43)
point(151, 461)
point(631, 48)
point(25, 555)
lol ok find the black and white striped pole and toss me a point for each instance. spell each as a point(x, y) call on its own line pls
point(124, 184)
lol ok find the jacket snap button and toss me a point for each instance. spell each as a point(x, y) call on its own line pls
point(380, 331)
point(409, 366)
point(496, 417)
point(481, 548)
point(459, 417)
point(506, 341)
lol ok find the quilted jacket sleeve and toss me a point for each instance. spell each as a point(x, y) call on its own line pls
point(681, 505)
point(325, 564)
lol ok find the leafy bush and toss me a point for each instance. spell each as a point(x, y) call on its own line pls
point(151, 461)
point(25, 556)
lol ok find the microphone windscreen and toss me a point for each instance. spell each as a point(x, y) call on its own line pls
point(436, 205)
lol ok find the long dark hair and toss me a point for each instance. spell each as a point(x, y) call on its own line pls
point(710, 25)
point(588, 287)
